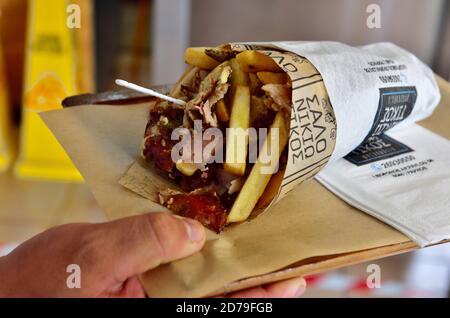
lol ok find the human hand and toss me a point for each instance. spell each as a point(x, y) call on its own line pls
point(110, 256)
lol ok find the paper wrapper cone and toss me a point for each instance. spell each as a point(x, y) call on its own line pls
point(104, 142)
point(311, 142)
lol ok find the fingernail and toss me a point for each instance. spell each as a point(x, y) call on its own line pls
point(195, 230)
point(300, 288)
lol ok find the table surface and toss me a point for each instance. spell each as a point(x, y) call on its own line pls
point(28, 207)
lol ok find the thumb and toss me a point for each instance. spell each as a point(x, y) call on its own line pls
point(140, 243)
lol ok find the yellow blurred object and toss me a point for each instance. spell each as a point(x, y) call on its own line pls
point(196, 56)
point(5, 136)
point(47, 93)
point(55, 55)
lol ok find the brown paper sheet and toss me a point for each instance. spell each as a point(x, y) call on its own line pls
point(104, 141)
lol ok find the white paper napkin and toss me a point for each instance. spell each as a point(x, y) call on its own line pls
point(409, 191)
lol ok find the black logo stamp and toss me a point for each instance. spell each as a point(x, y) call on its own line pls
point(396, 104)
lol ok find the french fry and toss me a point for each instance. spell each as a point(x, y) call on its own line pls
point(237, 136)
point(238, 76)
point(186, 168)
point(271, 190)
point(196, 56)
point(257, 181)
point(253, 61)
point(222, 111)
point(272, 78)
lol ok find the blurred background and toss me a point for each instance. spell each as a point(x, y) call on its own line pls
point(50, 49)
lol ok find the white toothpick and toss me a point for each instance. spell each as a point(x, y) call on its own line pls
point(149, 92)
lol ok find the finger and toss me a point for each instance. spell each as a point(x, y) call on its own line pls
point(140, 243)
point(291, 288)
point(131, 288)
